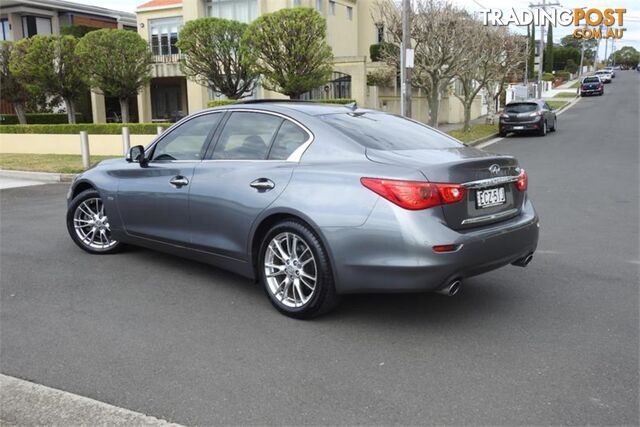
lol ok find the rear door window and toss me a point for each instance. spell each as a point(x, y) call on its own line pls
point(246, 136)
point(521, 108)
point(383, 131)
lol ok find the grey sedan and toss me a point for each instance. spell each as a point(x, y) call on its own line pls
point(312, 201)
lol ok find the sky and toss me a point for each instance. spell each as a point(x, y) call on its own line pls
point(632, 16)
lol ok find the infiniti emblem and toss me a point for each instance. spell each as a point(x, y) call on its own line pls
point(494, 169)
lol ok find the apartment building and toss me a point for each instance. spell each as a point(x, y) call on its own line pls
point(26, 18)
point(350, 31)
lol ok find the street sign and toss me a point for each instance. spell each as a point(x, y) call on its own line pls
point(410, 56)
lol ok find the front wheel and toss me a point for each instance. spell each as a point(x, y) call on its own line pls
point(555, 125)
point(295, 271)
point(88, 224)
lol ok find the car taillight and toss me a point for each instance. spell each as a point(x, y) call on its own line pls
point(535, 113)
point(523, 182)
point(415, 195)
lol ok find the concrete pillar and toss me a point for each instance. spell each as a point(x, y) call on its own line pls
point(15, 22)
point(144, 105)
point(197, 95)
point(55, 24)
point(98, 109)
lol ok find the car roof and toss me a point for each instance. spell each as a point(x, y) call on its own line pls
point(311, 108)
point(527, 101)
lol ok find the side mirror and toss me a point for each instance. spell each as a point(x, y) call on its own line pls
point(136, 155)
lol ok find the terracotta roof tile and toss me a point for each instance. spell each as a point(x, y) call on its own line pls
point(159, 3)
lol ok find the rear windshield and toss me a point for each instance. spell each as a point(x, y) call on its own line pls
point(521, 108)
point(602, 72)
point(591, 80)
point(382, 131)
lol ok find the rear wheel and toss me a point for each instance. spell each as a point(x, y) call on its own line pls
point(543, 129)
point(555, 125)
point(88, 224)
point(295, 271)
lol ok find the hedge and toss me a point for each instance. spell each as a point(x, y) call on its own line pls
point(222, 102)
point(92, 129)
point(39, 118)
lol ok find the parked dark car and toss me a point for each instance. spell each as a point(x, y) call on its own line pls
point(527, 116)
point(312, 201)
point(591, 85)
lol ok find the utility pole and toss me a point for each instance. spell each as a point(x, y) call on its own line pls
point(542, 6)
point(405, 66)
point(606, 45)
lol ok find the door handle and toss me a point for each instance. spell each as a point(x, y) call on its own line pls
point(262, 184)
point(178, 181)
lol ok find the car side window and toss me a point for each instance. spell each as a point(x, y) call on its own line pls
point(246, 136)
point(289, 138)
point(186, 141)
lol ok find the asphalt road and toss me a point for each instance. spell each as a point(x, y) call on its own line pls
point(555, 343)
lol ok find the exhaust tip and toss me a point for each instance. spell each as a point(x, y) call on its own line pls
point(451, 289)
point(524, 261)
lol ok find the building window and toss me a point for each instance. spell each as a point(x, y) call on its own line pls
point(380, 32)
point(332, 7)
point(349, 13)
point(164, 35)
point(32, 25)
point(319, 5)
point(237, 10)
point(5, 33)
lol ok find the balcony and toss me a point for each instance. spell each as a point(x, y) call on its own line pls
point(170, 58)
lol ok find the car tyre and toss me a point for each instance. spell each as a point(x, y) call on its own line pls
point(502, 134)
point(88, 224)
point(296, 272)
point(555, 125)
point(543, 129)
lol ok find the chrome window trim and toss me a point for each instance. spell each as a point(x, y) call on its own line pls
point(490, 182)
point(489, 217)
point(294, 157)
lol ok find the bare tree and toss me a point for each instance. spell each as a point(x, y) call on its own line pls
point(484, 52)
point(438, 35)
point(508, 65)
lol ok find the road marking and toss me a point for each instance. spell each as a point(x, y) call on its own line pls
point(26, 403)
point(493, 141)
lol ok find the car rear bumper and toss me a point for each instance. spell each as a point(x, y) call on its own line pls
point(519, 127)
point(392, 251)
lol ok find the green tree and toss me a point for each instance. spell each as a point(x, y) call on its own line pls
point(548, 51)
point(49, 65)
point(532, 53)
point(627, 56)
point(563, 55)
point(213, 58)
point(78, 31)
point(289, 50)
point(11, 89)
point(116, 62)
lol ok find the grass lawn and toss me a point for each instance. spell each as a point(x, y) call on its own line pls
point(476, 132)
point(565, 95)
point(576, 84)
point(59, 163)
point(557, 104)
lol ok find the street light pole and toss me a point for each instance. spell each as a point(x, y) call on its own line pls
point(405, 71)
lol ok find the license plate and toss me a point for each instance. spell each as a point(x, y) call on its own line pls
point(518, 127)
point(490, 197)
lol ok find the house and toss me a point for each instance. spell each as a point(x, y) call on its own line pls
point(26, 18)
point(350, 32)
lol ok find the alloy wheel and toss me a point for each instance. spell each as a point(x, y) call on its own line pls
point(290, 270)
point(92, 225)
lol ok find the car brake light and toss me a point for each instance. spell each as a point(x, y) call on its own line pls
point(523, 181)
point(415, 195)
point(536, 113)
